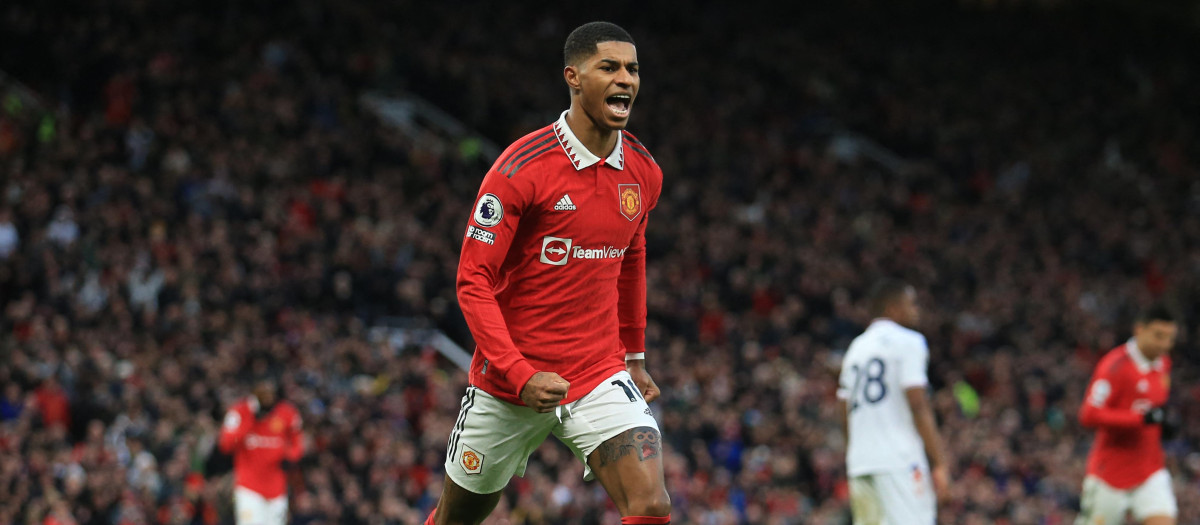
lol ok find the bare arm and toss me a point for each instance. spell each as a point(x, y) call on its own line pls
point(843, 415)
point(641, 378)
point(918, 401)
point(922, 412)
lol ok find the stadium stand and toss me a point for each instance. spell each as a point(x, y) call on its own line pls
point(200, 197)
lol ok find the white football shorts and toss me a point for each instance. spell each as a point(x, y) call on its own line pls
point(1103, 504)
point(903, 497)
point(492, 439)
point(253, 509)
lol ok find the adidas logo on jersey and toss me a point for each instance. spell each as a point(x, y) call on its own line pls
point(565, 204)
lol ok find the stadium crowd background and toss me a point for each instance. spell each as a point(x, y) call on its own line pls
point(207, 200)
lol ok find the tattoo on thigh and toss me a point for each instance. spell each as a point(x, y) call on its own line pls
point(643, 442)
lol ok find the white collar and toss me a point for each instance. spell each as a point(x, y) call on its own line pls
point(1140, 360)
point(883, 321)
point(579, 155)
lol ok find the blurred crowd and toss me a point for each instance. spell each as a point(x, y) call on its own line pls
point(201, 198)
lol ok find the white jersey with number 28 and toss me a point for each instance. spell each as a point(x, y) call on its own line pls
point(880, 364)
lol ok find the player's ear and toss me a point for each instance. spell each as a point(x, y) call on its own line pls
point(571, 75)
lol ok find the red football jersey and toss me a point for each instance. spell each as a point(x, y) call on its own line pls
point(552, 275)
point(1123, 388)
point(258, 445)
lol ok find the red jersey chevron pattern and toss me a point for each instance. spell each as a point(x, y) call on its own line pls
point(554, 291)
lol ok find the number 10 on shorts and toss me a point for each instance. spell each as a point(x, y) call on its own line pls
point(630, 389)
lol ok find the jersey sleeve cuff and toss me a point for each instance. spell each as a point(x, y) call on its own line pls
point(518, 375)
point(634, 356)
point(634, 339)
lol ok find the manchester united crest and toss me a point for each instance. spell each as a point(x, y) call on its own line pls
point(630, 200)
point(472, 460)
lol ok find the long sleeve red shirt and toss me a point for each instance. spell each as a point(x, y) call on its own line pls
point(260, 444)
point(1124, 386)
point(552, 275)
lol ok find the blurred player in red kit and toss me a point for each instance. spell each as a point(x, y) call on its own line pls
point(552, 282)
point(1125, 470)
point(263, 434)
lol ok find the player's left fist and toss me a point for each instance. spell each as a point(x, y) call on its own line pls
point(641, 378)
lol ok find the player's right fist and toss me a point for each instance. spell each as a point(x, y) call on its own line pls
point(1154, 416)
point(544, 391)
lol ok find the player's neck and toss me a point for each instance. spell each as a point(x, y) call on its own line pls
point(597, 140)
point(1142, 353)
point(264, 408)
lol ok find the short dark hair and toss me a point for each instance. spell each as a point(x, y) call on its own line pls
point(1156, 312)
point(581, 43)
point(884, 293)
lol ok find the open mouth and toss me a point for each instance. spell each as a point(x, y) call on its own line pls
point(619, 104)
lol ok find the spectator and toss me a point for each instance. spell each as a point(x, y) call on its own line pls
point(52, 403)
point(10, 239)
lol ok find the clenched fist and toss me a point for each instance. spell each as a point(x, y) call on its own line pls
point(544, 391)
